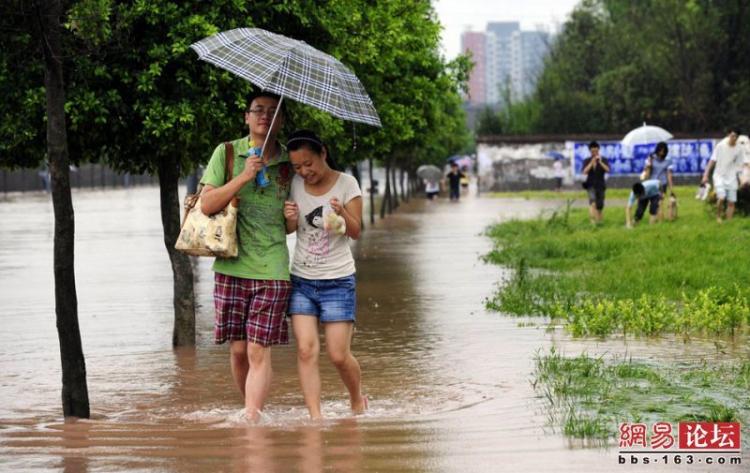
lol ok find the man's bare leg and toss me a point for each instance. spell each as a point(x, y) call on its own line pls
point(258, 382)
point(239, 364)
point(730, 210)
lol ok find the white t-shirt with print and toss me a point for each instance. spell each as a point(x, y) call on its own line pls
point(318, 253)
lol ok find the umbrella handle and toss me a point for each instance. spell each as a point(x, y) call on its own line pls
point(270, 130)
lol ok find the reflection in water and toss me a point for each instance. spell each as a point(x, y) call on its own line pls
point(448, 382)
point(75, 437)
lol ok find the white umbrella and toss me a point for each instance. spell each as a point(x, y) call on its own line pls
point(429, 172)
point(646, 134)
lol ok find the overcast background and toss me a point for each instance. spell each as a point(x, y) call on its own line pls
point(457, 16)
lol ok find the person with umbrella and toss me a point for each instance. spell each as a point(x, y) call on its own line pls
point(454, 181)
point(292, 69)
point(251, 291)
point(431, 176)
point(431, 188)
point(660, 167)
point(325, 210)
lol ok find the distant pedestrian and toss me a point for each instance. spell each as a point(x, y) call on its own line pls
point(595, 167)
point(660, 167)
point(464, 177)
point(431, 188)
point(454, 181)
point(647, 194)
point(559, 173)
point(726, 161)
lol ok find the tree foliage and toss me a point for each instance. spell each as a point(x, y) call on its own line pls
point(136, 92)
point(680, 64)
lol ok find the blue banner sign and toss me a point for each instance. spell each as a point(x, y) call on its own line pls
point(688, 156)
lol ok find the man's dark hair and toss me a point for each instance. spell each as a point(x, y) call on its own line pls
point(734, 129)
point(265, 93)
point(661, 146)
point(638, 189)
point(593, 145)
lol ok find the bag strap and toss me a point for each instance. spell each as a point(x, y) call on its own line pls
point(228, 161)
point(229, 170)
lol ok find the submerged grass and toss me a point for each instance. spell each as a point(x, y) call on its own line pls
point(589, 397)
point(687, 276)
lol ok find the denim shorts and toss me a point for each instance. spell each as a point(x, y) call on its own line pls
point(331, 300)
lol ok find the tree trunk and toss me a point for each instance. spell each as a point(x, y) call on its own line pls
point(404, 187)
point(182, 272)
point(394, 184)
point(387, 197)
point(404, 190)
point(358, 177)
point(372, 194)
point(75, 396)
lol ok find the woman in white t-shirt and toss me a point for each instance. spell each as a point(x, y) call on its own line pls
point(325, 209)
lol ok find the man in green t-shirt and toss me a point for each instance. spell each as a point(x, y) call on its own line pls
point(251, 291)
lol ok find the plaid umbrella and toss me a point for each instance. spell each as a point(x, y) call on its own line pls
point(292, 69)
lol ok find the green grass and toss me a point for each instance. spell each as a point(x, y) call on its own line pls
point(588, 397)
point(573, 194)
point(686, 276)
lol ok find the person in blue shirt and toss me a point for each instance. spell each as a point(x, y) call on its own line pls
point(647, 195)
point(660, 167)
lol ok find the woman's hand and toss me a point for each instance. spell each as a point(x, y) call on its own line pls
point(336, 205)
point(291, 211)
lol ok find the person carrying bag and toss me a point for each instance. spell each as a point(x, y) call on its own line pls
point(210, 235)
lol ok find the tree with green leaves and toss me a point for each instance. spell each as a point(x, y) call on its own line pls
point(38, 25)
point(683, 65)
point(139, 100)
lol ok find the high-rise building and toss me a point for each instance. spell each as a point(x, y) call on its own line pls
point(475, 43)
point(506, 60)
point(499, 62)
point(528, 50)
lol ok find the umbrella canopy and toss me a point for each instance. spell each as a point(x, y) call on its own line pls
point(461, 161)
point(290, 68)
point(646, 134)
point(429, 172)
point(555, 154)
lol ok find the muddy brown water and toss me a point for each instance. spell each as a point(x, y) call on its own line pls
point(448, 382)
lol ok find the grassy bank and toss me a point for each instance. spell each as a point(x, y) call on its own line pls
point(588, 397)
point(574, 194)
point(688, 276)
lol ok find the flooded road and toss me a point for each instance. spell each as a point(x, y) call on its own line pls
point(448, 382)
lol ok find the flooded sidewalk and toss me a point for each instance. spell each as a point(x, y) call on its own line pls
point(449, 382)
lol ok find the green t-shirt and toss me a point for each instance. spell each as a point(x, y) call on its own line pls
point(261, 229)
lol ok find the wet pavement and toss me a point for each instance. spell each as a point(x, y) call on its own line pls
point(448, 382)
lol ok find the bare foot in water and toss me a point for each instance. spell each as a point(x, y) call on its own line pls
point(253, 416)
point(359, 406)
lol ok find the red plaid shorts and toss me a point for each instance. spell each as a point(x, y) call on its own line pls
point(251, 309)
